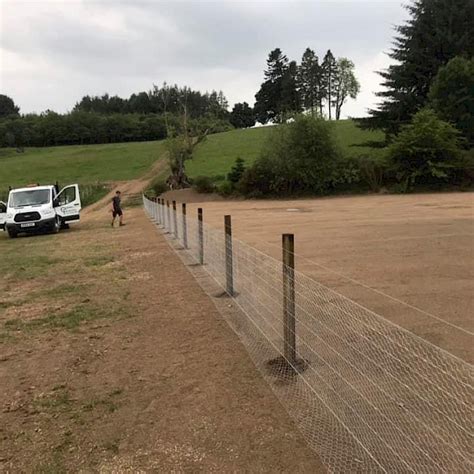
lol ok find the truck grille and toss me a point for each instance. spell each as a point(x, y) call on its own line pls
point(27, 217)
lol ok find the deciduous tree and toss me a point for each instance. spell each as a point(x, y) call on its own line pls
point(242, 116)
point(345, 84)
point(452, 95)
point(7, 106)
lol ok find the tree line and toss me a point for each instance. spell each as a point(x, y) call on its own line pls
point(312, 86)
point(160, 100)
point(152, 115)
point(289, 88)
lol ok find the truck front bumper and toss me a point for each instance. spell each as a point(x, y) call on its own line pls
point(43, 225)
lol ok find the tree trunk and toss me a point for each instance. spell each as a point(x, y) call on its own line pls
point(329, 96)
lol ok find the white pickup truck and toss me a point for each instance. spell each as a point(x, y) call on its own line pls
point(40, 208)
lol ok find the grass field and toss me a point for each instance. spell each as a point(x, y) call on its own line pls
point(89, 164)
point(217, 154)
point(83, 164)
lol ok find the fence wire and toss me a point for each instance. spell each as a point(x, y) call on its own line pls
point(372, 397)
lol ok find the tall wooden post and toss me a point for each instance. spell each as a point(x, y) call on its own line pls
point(175, 220)
point(156, 209)
point(163, 210)
point(185, 227)
point(160, 211)
point(200, 237)
point(229, 266)
point(289, 325)
point(168, 212)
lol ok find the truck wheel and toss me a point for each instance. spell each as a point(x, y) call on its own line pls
point(57, 225)
point(12, 234)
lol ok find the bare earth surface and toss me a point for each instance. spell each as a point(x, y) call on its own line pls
point(113, 359)
point(409, 258)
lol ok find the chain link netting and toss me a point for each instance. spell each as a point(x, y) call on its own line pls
point(372, 397)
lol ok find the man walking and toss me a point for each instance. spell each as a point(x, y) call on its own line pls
point(117, 209)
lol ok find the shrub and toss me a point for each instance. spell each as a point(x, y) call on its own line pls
point(299, 157)
point(158, 186)
point(203, 184)
point(372, 170)
point(345, 176)
point(237, 171)
point(426, 151)
point(226, 188)
point(257, 181)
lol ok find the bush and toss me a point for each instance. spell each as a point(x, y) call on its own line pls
point(372, 170)
point(203, 184)
point(158, 186)
point(300, 157)
point(237, 171)
point(257, 181)
point(226, 188)
point(425, 152)
point(345, 176)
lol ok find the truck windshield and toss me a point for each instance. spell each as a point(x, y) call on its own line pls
point(35, 197)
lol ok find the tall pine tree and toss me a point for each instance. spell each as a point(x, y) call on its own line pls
point(309, 82)
point(437, 31)
point(329, 71)
point(290, 97)
point(269, 99)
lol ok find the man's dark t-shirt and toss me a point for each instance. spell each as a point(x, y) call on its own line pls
point(117, 205)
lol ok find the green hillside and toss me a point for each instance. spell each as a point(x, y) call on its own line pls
point(89, 164)
point(216, 155)
point(83, 164)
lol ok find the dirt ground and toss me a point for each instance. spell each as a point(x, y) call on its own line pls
point(112, 359)
point(409, 258)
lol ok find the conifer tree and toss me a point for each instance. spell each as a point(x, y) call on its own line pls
point(437, 31)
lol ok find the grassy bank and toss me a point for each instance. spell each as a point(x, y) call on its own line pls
point(83, 164)
point(217, 154)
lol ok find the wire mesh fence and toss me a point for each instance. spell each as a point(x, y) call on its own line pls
point(368, 395)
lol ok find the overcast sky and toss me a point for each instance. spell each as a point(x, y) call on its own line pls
point(54, 52)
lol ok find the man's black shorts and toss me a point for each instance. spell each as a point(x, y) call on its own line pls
point(117, 212)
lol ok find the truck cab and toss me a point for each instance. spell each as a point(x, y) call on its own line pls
point(3, 214)
point(40, 209)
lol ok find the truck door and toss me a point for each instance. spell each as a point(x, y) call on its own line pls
point(3, 215)
point(68, 203)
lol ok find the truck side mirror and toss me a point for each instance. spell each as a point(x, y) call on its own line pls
point(55, 202)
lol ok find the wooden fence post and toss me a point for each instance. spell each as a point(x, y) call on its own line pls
point(155, 209)
point(185, 228)
point(200, 237)
point(163, 210)
point(175, 220)
point(229, 266)
point(162, 215)
point(289, 325)
point(168, 216)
